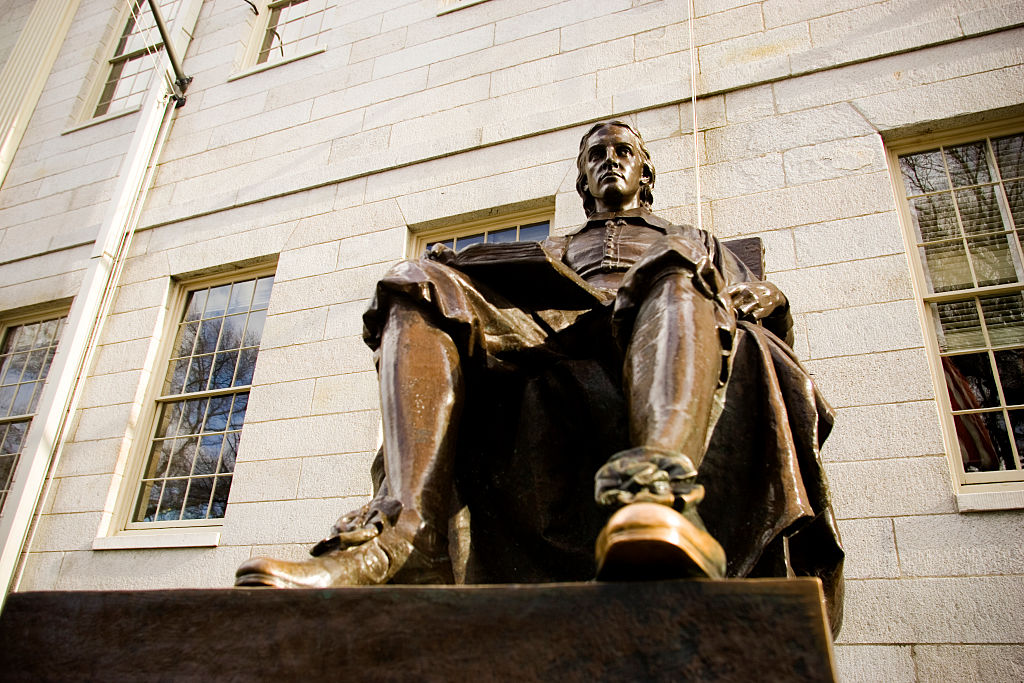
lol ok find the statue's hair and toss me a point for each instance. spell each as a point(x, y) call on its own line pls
point(646, 195)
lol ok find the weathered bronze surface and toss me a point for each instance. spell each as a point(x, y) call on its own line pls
point(739, 631)
point(634, 362)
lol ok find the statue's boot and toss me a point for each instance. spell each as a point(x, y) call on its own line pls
point(656, 532)
point(648, 541)
point(407, 552)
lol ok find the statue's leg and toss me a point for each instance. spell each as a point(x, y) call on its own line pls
point(421, 391)
point(672, 371)
point(421, 395)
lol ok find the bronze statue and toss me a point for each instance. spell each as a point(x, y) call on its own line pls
point(639, 351)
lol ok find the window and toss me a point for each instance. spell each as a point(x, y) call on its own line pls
point(527, 228)
point(25, 358)
point(202, 405)
point(964, 207)
point(131, 65)
point(293, 28)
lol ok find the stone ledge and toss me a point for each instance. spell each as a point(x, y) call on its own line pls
point(737, 630)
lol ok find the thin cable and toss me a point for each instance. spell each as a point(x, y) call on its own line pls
point(693, 107)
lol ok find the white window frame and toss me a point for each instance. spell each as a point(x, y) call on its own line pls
point(124, 532)
point(259, 34)
point(418, 241)
point(974, 490)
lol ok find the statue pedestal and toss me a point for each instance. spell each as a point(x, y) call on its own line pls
point(737, 630)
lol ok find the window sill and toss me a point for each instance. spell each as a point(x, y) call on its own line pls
point(102, 119)
point(457, 6)
point(1009, 498)
point(259, 68)
point(135, 540)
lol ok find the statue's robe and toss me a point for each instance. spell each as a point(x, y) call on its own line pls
point(542, 331)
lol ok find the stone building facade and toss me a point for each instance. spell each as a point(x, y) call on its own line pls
point(322, 140)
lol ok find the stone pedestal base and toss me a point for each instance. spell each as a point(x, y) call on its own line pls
point(738, 630)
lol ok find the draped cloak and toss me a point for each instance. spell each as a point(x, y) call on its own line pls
point(542, 329)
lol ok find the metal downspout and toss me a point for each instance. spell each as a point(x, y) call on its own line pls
point(88, 313)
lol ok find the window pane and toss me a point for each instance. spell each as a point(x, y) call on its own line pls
point(170, 416)
point(246, 367)
point(448, 243)
point(176, 374)
point(992, 261)
point(984, 444)
point(161, 457)
point(241, 296)
point(946, 266)
point(1015, 199)
point(196, 304)
point(1010, 365)
point(228, 453)
point(534, 233)
point(23, 399)
point(261, 297)
point(1017, 425)
point(979, 210)
point(254, 328)
point(463, 242)
point(15, 434)
point(238, 411)
point(217, 414)
point(923, 172)
point(14, 366)
point(506, 235)
point(934, 217)
point(217, 301)
point(1009, 153)
point(148, 501)
point(220, 496)
point(969, 381)
point(173, 499)
point(967, 164)
point(224, 369)
point(209, 331)
point(192, 415)
point(231, 333)
point(199, 373)
point(198, 502)
point(1004, 318)
point(184, 344)
point(183, 454)
point(209, 454)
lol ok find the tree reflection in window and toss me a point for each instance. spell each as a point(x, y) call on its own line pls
point(205, 395)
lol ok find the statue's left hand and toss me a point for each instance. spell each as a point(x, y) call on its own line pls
point(757, 300)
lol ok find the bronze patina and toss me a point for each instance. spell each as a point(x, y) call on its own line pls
point(595, 387)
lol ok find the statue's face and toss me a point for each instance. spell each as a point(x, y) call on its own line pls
point(614, 169)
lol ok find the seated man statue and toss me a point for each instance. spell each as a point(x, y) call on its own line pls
point(634, 362)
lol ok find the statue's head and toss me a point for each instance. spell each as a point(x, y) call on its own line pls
point(645, 193)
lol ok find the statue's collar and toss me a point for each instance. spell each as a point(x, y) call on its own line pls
point(638, 216)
